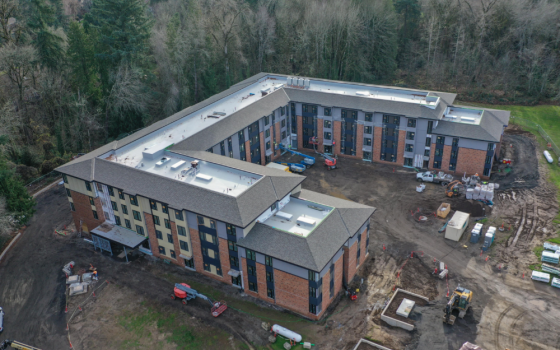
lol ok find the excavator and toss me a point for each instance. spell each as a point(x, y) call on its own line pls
point(460, 300)
point(16, 345)
point(454, 188)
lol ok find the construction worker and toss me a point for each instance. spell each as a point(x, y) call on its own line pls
point(95, 275)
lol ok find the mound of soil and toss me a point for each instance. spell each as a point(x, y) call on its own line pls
point(416, 277)
point(476, 209)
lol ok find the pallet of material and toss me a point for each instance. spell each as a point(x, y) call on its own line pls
point(540, 276)
point(550, 269)
point(551, 246)
point(443, 210)
point(556, 282)
point(550, 257)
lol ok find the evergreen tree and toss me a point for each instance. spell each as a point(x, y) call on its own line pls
point(49, 44)
point(81, 57)
point(18, 201)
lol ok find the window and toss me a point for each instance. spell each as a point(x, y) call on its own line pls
point(328, 149)
point(121, 195)
point(140, 230)
point(440, 140)
point(367, 141)
point(232, 246)
point(267, 133)
point(136, 215)
point(327, 136)
point(282, 110)
point(189, 263)
point(488, 160)
point(266, 120)
point(153, 205)
point(236, 280)
point(273, 207)
point(124, 209)
point(206, 252)
point(159, 235)
point(161, 250)
point(253, 287)
point(428, 141)
point(68, 193)
point(439, 152)
point(283, 123)
point(455, 142)
point(486, 172)
point(408, 161)
point(172, 252)
point(367, 129)
point(251, 270)
point(312, 275)
point(327, 112)
point(184, 245)
point(267, 144)
point(283, 134)
point(270, 293)
point(312, 309)
point(233, 261)
point(409, 147)
point(437, 164)
point(72, 207)
point(88, 186)
point(355, 115)
point(366, 155)
point(293, 108)
point(269, 276)
point(65, 178)
point(114, 205)
point(179, 215)
point(91, 201)
point(453, 154)
point(430, 126)
point(250, 255)
point(169, 238)
point(452, 166)
point(369, 117)
point(312, 292)
point(127, 224)
point(327, 124)
point(167, 223)
point(268, 260)
point(133, 200)
point(95, 214)
point(207, 267)
point(409, 135)
point(156, 220)
point(181, 231)
point(343, 113)
point(200, 220)
point(230, 229)
point(111, 192)
point(164, 209)
point(426, 153)
point(118, 220)
point(358, 253)
point(411, 123)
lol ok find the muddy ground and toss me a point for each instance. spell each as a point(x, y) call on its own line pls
point(135, 312)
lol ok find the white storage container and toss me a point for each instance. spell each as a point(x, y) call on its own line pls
point(540, 276)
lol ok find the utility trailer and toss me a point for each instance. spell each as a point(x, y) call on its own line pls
point(440, 177)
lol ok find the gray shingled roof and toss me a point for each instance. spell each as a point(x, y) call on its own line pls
point(316, 250)
point(226, 127)
point(490, 128)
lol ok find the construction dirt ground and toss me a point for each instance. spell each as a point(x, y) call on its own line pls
point(134, 310)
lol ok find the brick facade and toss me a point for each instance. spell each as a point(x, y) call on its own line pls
point(400, 149)
point(277, 131)
point(364, 249)
point(263, 150)
point(299, 132)
point(377, 136)
point(338, 276)
point(261, 282)
point(432, 154)
point(320, 125)
point(224, 261)
point(350, 262)
point(292, 293)
point(360, 141)
point(471, 161)
point(176, 245)
point(446, 157)
point(84, 211)
point(248, 151)
point(337, 129)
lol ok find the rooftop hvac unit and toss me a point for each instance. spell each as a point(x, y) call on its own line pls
point(362, 93)
point(468, 119)
point(307, 83)
point(450, 116)
point(304, 220)
point(290, 81)
point(284, 215)
point(163, 161)
point(204, 177)
point(300, 82)
point(220, 113)
point(178, 165)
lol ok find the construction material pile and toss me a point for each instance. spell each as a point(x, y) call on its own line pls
point(482, 191)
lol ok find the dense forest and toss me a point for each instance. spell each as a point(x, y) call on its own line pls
point(77, 73)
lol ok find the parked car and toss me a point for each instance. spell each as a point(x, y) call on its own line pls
point(1, 320)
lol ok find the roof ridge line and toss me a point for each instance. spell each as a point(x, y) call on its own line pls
point(344, 222)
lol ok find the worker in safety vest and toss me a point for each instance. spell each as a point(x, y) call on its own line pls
point(95, 275)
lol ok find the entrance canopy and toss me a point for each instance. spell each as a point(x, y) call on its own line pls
point(119, 235)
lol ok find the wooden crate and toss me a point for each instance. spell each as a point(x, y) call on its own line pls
point(443, 210)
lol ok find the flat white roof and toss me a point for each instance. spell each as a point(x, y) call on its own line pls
point(463, 115)
point(306, 216)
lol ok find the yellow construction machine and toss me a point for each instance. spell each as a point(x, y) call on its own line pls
point(460, 300)
point(454, 188)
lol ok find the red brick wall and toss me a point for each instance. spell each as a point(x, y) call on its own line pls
point(199, 262)
point(363, 246)
point(400, 149)
point(224, 261)
point(350, 261)
point(248, 151)
point(432, 154)
point(84, 212)
point(471, 161)
point(263, 150)
point(359, 141)
point(261, 282)
point(320, 125)
point(299, 132)
point(337, 128)
point(292, 292)
point(338, 275)
point(377, 136)
point(154, 244)
point(446, 157)
point(176, 245)
point(277, 150)
point(196, 251)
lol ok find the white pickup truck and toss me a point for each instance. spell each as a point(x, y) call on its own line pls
point(440, 177)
